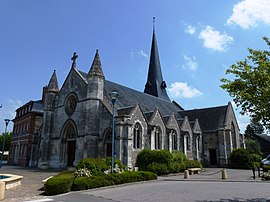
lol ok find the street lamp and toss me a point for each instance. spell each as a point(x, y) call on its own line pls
point(3, 145)
point(113, 99)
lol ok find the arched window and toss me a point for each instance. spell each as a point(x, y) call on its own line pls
point(233, 134)
point(174, 141)
point(157, 138)
point(137, 136)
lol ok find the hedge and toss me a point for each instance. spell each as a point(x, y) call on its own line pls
point(59, 184)
point(67, 182)
point(98, 166)
point(147, 157)
point(162, 162)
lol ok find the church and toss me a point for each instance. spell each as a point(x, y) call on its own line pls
point(75, 121)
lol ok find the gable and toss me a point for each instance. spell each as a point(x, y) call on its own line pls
point(75, 83)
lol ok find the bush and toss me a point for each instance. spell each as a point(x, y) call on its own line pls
point(83, 183)
point(241, 159)
point(176, 167)
point(192, 164)
point(158, 168)
point(266, 168)
point(179, 156)
point(99, 166)
point(59, 184)
point(253, 147)
point(147, 157)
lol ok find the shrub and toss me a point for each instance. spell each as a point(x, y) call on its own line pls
point(83, 183)
point(158, 168)
point(266, 176)
point(266, 168)
point(192, 164)
point(99, 166)
point(240, 158)
point(179, 156)
point(176, 167)
point(59, 184)
point(147, 157)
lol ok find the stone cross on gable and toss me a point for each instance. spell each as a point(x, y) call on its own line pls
point(74, 57)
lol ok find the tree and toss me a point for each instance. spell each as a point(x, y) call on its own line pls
point(8, 141)
point(252, 129)
point(250, 87)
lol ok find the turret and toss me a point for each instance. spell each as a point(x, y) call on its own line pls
point(95, 78)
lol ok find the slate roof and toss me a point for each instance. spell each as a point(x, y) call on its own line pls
point(37, 106)
point(155, 85)
point(128, 97)
point(210, 119)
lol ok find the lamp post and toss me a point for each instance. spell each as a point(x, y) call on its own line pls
point(3, 145)
point(113, 99)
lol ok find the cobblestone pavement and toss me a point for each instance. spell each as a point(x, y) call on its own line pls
point(31, 184)
point(31, 187)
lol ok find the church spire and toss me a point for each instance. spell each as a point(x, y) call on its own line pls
point(155, 85)
point(96, 69)
point(53, 83)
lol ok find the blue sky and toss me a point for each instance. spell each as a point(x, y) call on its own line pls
point(197, 41)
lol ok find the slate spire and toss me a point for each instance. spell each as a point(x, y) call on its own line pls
point(53, 83)
point(155, 84)
point(96, 69)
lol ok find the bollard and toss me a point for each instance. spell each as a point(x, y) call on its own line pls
point(2, 190)
point(224, 174)
point(186, 174)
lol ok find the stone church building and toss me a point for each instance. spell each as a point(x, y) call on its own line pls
point(75, 122)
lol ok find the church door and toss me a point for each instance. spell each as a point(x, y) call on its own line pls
point(71, 149)
point(109, 149)
point(213, 157)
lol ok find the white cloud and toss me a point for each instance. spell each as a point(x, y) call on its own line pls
point(248, 12)
point(139, 53)
point(214, 40)
point(179, 89)
point(190, 63)
point(190, 29)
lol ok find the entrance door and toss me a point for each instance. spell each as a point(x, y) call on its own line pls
point(71, 149)
point(109, 149)
point(213, 156)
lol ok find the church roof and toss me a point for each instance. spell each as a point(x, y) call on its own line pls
point(129, 97)
point(210, 119)
point(155, 85)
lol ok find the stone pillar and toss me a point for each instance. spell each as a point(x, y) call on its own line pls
point(128, 145)
point(170, 140)
point(229, 142)
point(119, 135)
point(152, 144)
point(222, 154)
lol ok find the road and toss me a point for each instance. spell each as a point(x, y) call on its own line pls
point(166, 190)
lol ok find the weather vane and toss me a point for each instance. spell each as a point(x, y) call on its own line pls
point(154, 20)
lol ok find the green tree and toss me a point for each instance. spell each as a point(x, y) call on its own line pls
point(250, 87)
point(253, 147)
point(252, 129)
point(8, 141)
